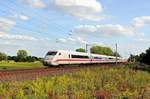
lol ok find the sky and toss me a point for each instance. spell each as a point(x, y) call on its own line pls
point(42, 25)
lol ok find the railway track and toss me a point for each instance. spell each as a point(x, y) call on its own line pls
point(32, 74)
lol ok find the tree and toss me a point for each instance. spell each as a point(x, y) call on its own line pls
point(22, 53)
point(21, 56)
point(30, 59)
point(145, 57)
point(80, 50)
point(12, 58)
point(3, 56)
point(133, 58)
point(36, 58)
point(141, 57)
point(101, 50)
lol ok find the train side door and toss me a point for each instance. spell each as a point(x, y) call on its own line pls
point(69, 58)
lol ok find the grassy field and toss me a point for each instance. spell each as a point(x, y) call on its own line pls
point(11, 65)
point(111, 83)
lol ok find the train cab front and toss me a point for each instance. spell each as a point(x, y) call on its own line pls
point(49, 59)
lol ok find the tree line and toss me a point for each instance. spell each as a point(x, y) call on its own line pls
point(22, 56)
point(142, 58)
point(100, 50)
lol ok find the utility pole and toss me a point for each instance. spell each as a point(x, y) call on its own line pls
point(88, 51)
point(86, 48)
point(116, 52)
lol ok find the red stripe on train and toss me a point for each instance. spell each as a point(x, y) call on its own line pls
point(83, 60)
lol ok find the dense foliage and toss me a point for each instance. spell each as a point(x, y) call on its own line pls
point(145, 57)
point(101, 50)
point(22, 53)
point(133, 58)
point(142, 58)
point(100, 83)
point(22, 56)
point(3, 56)
point(80, 50)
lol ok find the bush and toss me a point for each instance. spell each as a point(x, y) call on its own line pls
point(80, 50)
point(30, 59)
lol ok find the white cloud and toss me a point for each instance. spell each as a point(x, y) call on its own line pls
point(98, 43)
point(83, 9)
point(2, 33)
point(81, 40)
point(142, 40)
point(38, 4)
point(107, 30)
point(78, 40)
point(16, 37)
point(6, 24)
point(71, 39)
point(61, 40)
point(44, 39)
point(21, 17)
point(8, 43)
point(141, 21)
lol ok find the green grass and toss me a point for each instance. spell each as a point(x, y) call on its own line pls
point(11, 65)
point(113, 83)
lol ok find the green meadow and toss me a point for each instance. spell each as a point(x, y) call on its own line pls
point(11, 65)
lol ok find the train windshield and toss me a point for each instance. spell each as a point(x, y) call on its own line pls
point(50, 55)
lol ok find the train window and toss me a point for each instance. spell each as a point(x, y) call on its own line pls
point(85, 57)
point(51, 53)
point(79, 56)
point(110, 58)
point(97, 58)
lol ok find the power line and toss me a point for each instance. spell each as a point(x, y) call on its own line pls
point(44, 22)
point(39, 32)
point(25, 29)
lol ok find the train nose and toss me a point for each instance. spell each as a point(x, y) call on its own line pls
point(49, 62)
point(46, 63)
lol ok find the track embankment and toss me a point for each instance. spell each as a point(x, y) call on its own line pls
point(32, 74)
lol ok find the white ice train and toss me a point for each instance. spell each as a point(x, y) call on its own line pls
point(61, 57)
